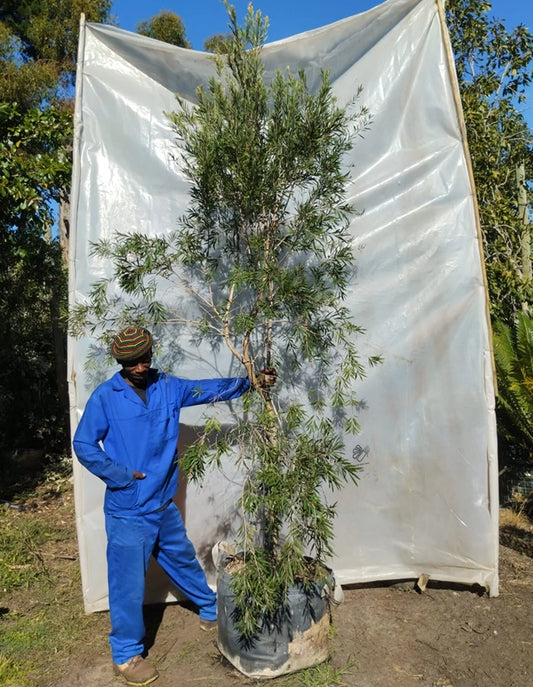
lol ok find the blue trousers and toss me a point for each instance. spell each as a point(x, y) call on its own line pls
point(131, 540)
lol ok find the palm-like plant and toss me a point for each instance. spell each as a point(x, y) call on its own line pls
point(513, 350)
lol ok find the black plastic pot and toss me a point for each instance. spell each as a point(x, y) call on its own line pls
point(297, 639)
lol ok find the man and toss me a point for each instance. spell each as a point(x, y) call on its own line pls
point(128, 437)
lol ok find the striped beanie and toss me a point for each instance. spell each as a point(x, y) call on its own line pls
point(131, 343)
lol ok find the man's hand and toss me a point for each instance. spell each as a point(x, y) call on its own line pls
point(138, 475)
point(267, 378)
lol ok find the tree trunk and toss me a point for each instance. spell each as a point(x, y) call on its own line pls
point(59, 333)
point(64, 228)
point(522, 215)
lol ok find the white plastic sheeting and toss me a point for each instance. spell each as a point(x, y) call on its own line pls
point(427, 500)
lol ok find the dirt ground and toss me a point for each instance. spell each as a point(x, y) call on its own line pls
point(382, 636)
point(390, 636)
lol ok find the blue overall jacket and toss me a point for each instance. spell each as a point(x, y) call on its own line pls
point(118, 433)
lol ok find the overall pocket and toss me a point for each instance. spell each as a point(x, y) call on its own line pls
point(125, 498)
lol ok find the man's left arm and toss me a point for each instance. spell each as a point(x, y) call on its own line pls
point(196, 392)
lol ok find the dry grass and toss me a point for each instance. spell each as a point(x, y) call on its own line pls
point(515, 518)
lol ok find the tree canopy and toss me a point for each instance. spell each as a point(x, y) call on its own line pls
point(494, 67)
point(165, 26)
point(46, 31)
point(38, 45)
point(218, 43)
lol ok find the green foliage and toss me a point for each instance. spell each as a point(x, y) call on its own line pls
point(513, 350)
point(21, 560)
point(494, 67)
point(265, 250)
point(47, 30)
point(38, 45)
point(31, 412)
point(42, 614)
point(165, 26)
point(34, 171)
point(27, 83)
point(218, 43)
point(34, 165)
point(323, 675)
point(11, 672)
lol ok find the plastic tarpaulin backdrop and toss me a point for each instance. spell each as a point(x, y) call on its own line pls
point(427, 499)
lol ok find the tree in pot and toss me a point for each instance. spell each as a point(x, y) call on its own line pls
point(266, 251)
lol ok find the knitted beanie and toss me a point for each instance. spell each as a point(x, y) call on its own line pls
point(131, 343)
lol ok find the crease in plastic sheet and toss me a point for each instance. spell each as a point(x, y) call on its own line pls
point(427, 500)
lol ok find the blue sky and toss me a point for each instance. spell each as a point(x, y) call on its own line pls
point(203, 18)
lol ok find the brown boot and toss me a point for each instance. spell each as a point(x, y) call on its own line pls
point(208, 625)
point(136, 671)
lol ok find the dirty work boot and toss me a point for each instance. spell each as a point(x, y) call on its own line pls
point(208, 625)
point(136, 671)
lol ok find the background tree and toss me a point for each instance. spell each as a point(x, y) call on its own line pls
point(27, 83)
point(494, 66)
point(47, 30)
point(165, 26)
point(34, 167)
point(38, 44)
point(218, 43)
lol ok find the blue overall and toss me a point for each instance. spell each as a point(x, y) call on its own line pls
point(117, 434)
